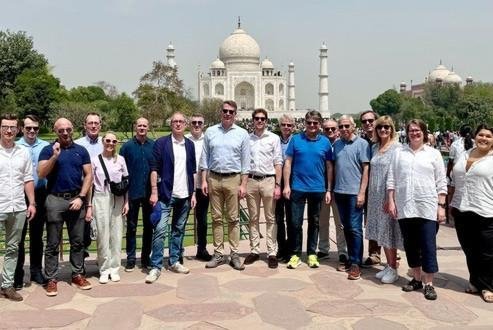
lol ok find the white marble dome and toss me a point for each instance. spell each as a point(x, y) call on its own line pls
point(217, 64)
point(439, 73)
point(452, 78)
point(267, 64)
point(239, 47)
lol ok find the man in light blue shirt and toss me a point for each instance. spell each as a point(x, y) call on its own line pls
point(34, 145)
point(225, 164)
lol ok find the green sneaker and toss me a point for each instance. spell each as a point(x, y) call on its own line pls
point(294, 262)
point(313, 261)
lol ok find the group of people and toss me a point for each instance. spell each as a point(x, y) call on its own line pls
point(395, 192)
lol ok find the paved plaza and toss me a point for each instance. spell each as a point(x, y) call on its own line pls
point(256, 298)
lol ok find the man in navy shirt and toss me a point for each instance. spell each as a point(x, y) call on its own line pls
point(67, 166)
point(138, 154)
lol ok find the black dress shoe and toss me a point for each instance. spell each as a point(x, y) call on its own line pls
point(18, 286)
point(203, 255)
point(38, 278)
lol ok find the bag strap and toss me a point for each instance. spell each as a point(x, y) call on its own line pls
point(104, 169)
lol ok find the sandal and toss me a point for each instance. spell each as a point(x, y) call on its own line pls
point(471, 289)
point(487, 296)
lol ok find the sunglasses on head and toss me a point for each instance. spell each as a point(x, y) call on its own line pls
point(259, 118)
point(111, 141)
point(197, 123)
point(286, 125)
point(330, 129)
point(385, 127)
point(227, 111)
point(367, 121)
point(346, 126)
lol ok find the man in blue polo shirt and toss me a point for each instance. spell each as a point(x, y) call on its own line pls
point(352, 158)
point(67, 166)
point(307, 178)
point(138, 155)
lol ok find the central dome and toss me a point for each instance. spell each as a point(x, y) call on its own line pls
point(240, 48)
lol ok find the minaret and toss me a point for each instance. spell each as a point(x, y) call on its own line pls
point(170, 55)
point(323, 87)
point(291, 96)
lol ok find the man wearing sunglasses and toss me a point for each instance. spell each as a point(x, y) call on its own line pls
point(352, 157)
point(307, 179)
point(31, 141)
point(67, 167)
point(332, 133)
point(16, 176)
point(225, 164)
point(264, 186)
point(367, 119)
point(196, 135)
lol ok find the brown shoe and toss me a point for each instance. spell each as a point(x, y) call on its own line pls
point(251, 258)
point(11, 294)
point(354, 273)
point(81, 282)
point(51, 289)
point(272, 262)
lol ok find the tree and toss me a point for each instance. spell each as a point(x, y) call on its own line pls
point(74, 111)
point(160, 93)
point(122, 114)
point(16, 55)
point(210, 108)
point(387, 103)
point(35, 91)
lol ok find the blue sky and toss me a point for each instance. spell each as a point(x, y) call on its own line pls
point(373, 45)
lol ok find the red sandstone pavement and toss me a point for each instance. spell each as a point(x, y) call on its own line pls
point(257, 298)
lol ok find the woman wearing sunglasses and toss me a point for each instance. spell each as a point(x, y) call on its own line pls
point(380, 226)
point(108, 209)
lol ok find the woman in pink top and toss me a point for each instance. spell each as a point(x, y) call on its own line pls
point(109, 209)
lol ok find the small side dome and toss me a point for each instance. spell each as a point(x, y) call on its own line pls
point(217, 64)
point(438, 74)
point(267, 64)
point(452, 78)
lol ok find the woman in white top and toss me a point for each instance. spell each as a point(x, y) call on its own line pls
point(109, 209)
point(417, 188)
point(472, 208)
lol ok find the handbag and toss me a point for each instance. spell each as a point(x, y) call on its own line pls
point(116, 188)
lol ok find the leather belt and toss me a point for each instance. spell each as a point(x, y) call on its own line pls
point(224, 174)
point(67, 195)
point(260, 177)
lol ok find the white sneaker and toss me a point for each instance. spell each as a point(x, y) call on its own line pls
point(153, 275)
point(382, 273)
point(115, 277)
point(104, 278)
point(391, 276)
point(179, 268)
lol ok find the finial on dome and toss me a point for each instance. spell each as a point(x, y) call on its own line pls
point(239, 23)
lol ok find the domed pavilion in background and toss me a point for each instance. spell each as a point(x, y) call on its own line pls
point(440, 75)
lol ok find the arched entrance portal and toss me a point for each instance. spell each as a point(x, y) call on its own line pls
point(245, 96)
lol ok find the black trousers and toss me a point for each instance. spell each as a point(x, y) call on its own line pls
point(132, 220)
point(36, 230)
point(475, 234)
point(201, 219)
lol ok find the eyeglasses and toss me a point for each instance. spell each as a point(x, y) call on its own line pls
point(367, 121)
point(259, 118)
point(6, 128)
point(197, 123)
point(63, 130)
point(414, 131)
point(93, 123)
point(330, 129)
point(311, 123)
point(385, 127)
point(109, 141)
point(31, 128)
point(345, 126)
point(286, 125)
point(178, 121)
point(227, 111)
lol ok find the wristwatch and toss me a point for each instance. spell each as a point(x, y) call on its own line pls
point(82, 198)
point(442, 205)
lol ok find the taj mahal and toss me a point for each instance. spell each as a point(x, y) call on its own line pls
point(238, 74)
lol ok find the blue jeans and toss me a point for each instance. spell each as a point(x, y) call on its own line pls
point(295, 234)
point(180, 208)
point(352, 220)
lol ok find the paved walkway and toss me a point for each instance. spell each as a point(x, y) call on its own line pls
point(255, 298)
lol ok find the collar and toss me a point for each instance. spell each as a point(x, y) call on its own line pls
point(287, 140)
point(22, 141)
point(182, 142)
point(308, 139)
point(191, 137)
point(138, 141)
point(92, 141)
